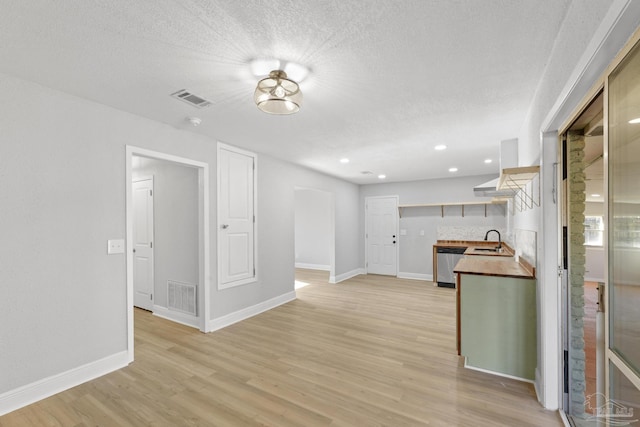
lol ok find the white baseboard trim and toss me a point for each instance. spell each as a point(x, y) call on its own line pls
point(30, 393)
point(416, 276)
point(313, 266)
point(593, 279)
point(348, 275)
point(536, 384)
point(500, 374)
point(175, 316)
point(245, 313)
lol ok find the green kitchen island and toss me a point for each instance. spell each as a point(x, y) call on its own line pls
point(496, 316)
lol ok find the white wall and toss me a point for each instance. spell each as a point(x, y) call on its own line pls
point(313, 229)
point(175, 241)
point(62, 192)
point(416, 250)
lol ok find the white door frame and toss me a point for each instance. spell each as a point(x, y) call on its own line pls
point(203, 233)
point(366, 230)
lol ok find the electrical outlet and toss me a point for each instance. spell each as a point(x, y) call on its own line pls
point(115, 246)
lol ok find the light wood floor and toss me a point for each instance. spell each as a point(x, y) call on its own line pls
point(370, 351)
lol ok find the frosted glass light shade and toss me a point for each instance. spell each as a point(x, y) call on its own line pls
point(277, 94)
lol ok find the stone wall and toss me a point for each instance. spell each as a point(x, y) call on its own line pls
point(577, 260)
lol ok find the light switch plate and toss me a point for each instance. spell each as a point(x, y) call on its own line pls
point(115, 246)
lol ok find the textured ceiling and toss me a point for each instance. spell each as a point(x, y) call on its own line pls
point(389, 80)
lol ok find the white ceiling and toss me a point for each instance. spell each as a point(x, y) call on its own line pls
point(389, 80)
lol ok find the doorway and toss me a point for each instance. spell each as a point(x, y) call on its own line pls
point(583, 261)
point(181, 284)
point(314, 247)
point(617, 397)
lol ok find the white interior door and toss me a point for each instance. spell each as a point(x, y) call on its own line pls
point(381, 235)
point(236, 217)
point(143, 243)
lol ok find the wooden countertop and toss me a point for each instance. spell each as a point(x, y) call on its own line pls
point(495, 267)
point(463, 243)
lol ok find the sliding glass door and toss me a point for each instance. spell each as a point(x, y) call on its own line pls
point(623, 149)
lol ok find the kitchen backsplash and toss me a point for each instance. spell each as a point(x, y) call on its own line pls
point(526, 245)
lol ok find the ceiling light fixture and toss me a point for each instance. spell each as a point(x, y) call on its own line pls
point(277, 94)
point(487, 161)
point(453, 169)
point(440, 147)
point(344, 160)
point(595, 195)
point(382, 176)
point(634, 121)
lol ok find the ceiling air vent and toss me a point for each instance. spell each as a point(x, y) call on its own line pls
point(191, 99)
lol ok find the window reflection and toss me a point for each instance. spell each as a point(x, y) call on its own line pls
point(624, 210)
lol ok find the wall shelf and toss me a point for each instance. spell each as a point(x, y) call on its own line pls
point(520, 181)
point(443, 205)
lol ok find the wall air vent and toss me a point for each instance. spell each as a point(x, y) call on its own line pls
point(181, 297)
point(191, 99)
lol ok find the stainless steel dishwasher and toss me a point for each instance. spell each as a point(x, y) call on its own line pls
point(447, 260)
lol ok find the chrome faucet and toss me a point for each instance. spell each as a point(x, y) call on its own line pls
point(499, 239)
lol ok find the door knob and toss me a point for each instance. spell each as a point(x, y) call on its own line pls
point(134, 250)
point(224, 226)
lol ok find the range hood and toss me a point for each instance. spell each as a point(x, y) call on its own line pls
point(508, 159)
point(490, 189)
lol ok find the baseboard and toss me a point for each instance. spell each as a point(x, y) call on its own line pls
point(593, 279)
point(500, 374)
point(175, 316)
point(30, 393)
point(313, 266)
point(245, 313)
point(536, 383)
point(348, 275)
point(416, 276)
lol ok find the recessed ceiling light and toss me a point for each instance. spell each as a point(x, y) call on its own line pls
point(595, 195)
point(453, 169)
point(381, 176)
point(488, 160)
point(344, 160)
point(634, 121)
point(440, 147)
